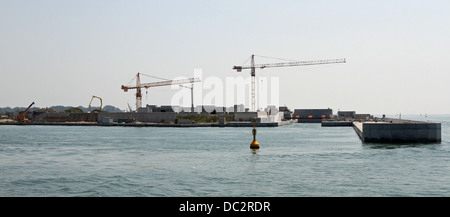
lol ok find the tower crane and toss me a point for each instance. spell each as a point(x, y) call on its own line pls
point(253, 66)
point(140, 85)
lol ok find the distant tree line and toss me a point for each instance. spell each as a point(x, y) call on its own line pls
point(60, 109)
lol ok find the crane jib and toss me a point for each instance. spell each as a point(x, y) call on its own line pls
point(162, 83)
point(285, 64)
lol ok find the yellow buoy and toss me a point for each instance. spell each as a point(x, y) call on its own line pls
point(254, 144)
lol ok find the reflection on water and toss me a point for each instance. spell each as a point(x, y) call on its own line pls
point(372, 145)
point(254, 151)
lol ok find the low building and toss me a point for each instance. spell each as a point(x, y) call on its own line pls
point(346, 114)
point(163, 108)
point(312, 115)
point(247, 116)
point(363, 116)
point(287, 114)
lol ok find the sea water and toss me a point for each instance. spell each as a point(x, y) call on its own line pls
point(297, 160)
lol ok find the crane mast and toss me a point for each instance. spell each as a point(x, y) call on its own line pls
point(253, 66)
point(252, 73)
point(192, 95)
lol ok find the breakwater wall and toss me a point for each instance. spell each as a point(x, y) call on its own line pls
point(148, 117)
point(66, 117)
point(153, 117)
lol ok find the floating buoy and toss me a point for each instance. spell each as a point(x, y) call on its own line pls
point(254, 144)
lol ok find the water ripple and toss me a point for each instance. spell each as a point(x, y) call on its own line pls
point(297, 160)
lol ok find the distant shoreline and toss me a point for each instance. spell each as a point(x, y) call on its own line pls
point(229, 124)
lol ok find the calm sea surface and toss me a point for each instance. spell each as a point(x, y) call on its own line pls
point(295, 160)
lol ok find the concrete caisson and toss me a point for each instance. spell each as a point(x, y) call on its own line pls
point(401, 132)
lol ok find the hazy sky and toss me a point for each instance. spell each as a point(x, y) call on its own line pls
point(62, 52)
